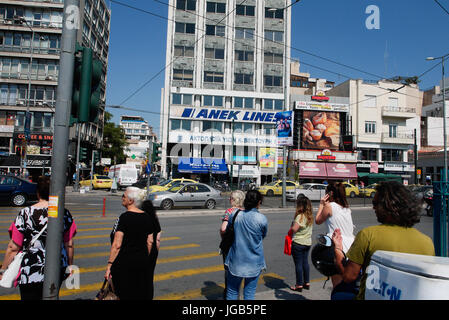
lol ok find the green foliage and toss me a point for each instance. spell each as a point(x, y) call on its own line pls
point(114, 141)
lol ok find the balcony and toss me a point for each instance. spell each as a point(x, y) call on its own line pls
point(399, 138)
point(398, 112)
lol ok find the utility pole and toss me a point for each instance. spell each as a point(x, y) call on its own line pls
point(77, 180)
point(415, 153)
point(60, 151)
point(232, 155)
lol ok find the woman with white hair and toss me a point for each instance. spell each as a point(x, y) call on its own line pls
point(134, 238)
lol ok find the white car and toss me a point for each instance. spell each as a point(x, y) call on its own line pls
point(313, 191)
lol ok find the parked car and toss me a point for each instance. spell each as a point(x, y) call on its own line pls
point(313, 191)
point(99, 182)
point(125, 175)
point(275, 187)
point(164, 186)
point(142, 182)
point(16, 191)
point(351, 190)
point(368, 191)
point(189, 195)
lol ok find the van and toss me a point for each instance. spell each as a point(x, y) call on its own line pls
point(125, 175)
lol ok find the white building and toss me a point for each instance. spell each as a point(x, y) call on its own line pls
point(223, 86)
point(384, 115)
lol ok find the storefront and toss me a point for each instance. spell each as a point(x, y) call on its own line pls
point(326, 171)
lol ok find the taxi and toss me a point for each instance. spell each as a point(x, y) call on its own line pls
point(275, 187)
point(351, 190)
point(99, 182)
point(369, 191)
point(167, 184)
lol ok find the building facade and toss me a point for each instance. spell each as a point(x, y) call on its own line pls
point(225, 82)
point(30, 42)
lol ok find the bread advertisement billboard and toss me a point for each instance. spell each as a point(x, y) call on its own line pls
point(320, 130)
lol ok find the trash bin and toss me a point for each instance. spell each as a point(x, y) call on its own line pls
point(403, 276)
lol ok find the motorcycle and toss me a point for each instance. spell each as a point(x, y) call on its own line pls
point(428, 202)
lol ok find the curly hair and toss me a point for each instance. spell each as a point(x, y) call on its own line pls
point(304, 207)
point(395, 204)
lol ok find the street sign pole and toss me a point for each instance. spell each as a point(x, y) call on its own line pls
point(60, 150)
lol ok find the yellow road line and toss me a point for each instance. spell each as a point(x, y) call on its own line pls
point(101, 236)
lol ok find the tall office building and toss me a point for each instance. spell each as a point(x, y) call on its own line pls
point(30, 43)
point(224, 83)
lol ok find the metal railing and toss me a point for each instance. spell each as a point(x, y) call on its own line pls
point(398, 109)
point(398, 136)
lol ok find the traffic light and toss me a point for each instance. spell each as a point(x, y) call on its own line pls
point(96, 156)
point(156, 152)
point(86, 86)
point(83, 154)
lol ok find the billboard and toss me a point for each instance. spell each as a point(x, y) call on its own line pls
point(267, 157)
point(321, 130)
point(284, 128)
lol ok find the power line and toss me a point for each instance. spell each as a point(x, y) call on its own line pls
point(441, 6)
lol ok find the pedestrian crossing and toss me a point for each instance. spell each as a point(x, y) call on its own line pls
point(179, 262)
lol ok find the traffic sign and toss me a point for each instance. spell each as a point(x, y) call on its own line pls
point(148, 168)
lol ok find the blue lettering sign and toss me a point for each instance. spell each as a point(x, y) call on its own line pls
point(224, 115)
point(245, 117)
point(233, 115)
point(202, 114)
point(269, 117)
point(214, 114)
point(260, 116)
point(187, 113)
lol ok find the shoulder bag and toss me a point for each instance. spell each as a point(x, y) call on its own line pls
point(107, 291)
point(228, 237)
point(10, 275)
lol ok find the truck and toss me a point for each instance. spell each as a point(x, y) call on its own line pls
point(124, 174)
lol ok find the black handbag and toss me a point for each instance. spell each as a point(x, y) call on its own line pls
point(228, 237)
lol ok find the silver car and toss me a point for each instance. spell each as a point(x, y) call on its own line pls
point(189, 195)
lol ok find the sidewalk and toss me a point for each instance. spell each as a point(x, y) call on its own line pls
point(283, 292)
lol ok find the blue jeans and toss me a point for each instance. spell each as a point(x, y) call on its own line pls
point(300, 255)
point(233, 286)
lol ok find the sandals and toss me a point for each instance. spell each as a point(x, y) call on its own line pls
point(296, 288)
point(307, 286)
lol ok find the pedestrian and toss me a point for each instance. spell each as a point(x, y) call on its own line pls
point(245, 260)
point(29, 223)
point(236, 200)
point(335, 212)
point(397, 211)
point(132, 257)
point(301, 229)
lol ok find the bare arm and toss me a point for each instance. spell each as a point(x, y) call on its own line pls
point(115, 249)
point(324, 211)
point(70, 251)
point(351, 271)
point(150, 242)
point(158, 241)
point(223, 228)
point(11, 251)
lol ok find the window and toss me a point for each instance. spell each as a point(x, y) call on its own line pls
point(392, 155)
point(243, 127)
point(186, 5)
point(369, 101)
point(212, 101)
point(393, 104)
point(277, 36)
point(270, 104)
point(241, 10)
point(182, 74)
point(370, 127)
point(180, 124)
point(212, 30)
point(272, 81)
point(273, 58)
point(247, 103)
point(242, 78)
point(216, 7)
point(274, 14)
point(185, 27)
point(212, 125)
point(212, 53)
point(212, 76)
point(185, 99)
point(182, 51)
point(393, 130)
point(368, 154)
point(241, 55)
point(268, 129)
point(244, 33)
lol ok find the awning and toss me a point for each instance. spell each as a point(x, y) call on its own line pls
point(202, 165)
point(341, 170)
point(312, 170)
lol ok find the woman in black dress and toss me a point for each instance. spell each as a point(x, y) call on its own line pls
point(135, 242)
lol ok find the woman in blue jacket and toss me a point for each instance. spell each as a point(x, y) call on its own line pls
point(245, 260)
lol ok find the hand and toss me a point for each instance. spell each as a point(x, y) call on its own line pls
point(107, 275)
point(337, 239)
point(324, 200)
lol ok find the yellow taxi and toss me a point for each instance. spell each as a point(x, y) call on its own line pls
point(167, 184)
point(99, 182)
point(369, 191)
point(275, 187)
point(351, 190)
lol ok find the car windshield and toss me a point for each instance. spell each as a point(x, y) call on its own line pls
point(271, 183)
point(371, 186)
point(175, 187)
point(103, 177)
point(304, 186)
point(165, 182)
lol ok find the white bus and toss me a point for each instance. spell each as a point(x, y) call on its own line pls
point(125, 174)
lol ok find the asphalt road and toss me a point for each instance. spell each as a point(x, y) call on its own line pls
point(189, 266)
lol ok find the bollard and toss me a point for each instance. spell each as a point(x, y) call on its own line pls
point(104, 206)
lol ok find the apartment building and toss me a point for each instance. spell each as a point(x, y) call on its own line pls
point(226, 80)
point(30, 42)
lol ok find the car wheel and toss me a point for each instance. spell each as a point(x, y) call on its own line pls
point(352, 194)
point(167, 204)
point(19, 200)
point(270, 193)
point(210, 204)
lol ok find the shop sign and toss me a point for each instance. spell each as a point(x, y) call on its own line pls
point(321, 106)
point(326, 154)
point(320, 96)
point(217, 138)
point(34, 136)
point(374, 167)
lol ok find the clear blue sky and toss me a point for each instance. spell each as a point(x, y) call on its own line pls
point(410, 31)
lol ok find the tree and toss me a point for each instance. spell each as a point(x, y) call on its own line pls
point(114, 141)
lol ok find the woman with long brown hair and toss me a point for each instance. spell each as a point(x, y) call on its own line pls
point(301, 230)
point(335, 212)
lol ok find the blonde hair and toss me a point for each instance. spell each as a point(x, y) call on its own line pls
point(237, 197)
point(304, 207)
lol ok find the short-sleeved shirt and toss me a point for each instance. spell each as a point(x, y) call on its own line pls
point(228, 213)
point(28, 223)
point(304, 235)
point(388, 238)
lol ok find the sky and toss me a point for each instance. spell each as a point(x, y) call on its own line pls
point(407, 32)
